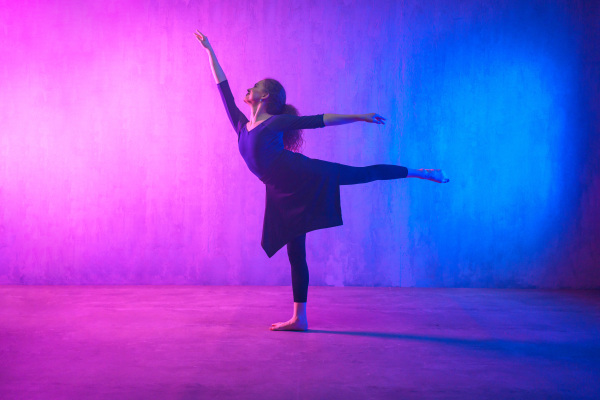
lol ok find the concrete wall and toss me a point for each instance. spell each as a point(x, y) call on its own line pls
point(118, 164)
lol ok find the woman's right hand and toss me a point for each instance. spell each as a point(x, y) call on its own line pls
point(203, 39)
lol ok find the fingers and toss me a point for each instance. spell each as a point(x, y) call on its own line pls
point(199, 35)
point(202, 39)
point(376, 118)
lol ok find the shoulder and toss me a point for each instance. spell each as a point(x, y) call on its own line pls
point(283, 117)
point(279, 119)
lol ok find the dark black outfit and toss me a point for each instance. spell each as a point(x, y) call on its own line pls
point(302, 193)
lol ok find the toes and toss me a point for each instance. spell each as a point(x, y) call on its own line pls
point(276, 326)
point(281, 326)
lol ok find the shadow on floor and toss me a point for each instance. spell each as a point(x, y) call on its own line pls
point(555, 350)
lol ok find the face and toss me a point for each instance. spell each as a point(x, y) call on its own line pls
point(255, 93)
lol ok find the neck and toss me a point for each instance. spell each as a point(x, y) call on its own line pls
point(258, 113)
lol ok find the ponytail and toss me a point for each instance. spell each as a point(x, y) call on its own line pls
point(292, 140)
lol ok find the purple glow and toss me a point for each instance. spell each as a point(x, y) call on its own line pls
point(118, 163)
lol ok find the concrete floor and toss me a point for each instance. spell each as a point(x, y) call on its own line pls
point(198, 342)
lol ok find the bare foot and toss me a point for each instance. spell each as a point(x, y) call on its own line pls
point(294, 324)
point(436, 175)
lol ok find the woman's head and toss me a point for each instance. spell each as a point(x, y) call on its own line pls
point(271, 93)
point(256, 94)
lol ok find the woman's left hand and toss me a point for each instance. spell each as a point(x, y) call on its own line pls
point(374, 118)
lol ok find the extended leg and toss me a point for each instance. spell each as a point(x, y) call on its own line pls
point(354, 175)
point(297, 254)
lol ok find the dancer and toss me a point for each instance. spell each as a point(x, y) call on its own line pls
point(302, 193)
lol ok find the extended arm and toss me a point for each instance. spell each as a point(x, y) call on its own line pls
point(236, 117)
point(338, 119)
point(217, 71)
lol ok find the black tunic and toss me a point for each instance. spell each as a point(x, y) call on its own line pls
point(302, 193)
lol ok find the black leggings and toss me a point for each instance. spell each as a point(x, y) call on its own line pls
point(296, 248)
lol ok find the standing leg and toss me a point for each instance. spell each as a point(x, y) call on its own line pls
point(297, 254)
point(296, 250)
point(355, 175)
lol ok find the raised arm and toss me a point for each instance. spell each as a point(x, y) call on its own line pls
point(217, 71)
point(236, 117)
point(338, 119)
